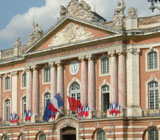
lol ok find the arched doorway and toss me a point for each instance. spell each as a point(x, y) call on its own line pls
point(68, 133)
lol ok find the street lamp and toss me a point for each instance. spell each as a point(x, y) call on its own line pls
point(153, 7)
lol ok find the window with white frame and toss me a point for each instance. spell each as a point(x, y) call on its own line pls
point(24, 80)
point(47, 74)
point(101, 135)
point(105, 97)
point(75, 92)
point(7, 110)
point(153, 95)
point(104, 65)
point(46, 97)
point(42, 136)
point(24, 106)
point(153, 134)
point(7, 83)
point(152, 60)
point(6, 137)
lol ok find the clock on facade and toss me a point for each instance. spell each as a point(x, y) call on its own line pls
point(74, 67)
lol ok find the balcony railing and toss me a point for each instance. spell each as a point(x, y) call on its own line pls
point(151, 113)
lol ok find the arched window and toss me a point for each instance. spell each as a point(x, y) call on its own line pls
point(42, 136)
point(104, 65)
point(24, 80)
point(101, 135)
point(24, 106)
point(7, 110)
point(21, 137)
point(46, 97)
point(105, 97)
point(153, 96)
point(152, 60)
point(75, 92)
point(47, 75)
point(153, 134)
point(7, 83)
point(6, 137)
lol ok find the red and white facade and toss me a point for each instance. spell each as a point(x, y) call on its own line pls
point(97, 64)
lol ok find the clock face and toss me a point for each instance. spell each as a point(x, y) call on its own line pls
point(74, 67)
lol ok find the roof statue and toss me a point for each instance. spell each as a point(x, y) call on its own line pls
point(80, 10)
point(119, 14)
point(17, 43)
point(132, 12)
point(36, 34)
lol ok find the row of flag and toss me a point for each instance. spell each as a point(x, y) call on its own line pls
point(14, 118)
point(114, 109)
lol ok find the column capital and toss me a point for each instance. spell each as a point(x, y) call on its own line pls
point(111, 53)
point(89, 57)
point(34, 67)
point(0, 75)
point(58, 62)
point(121, 51)
point(14, 73)
point(52, 63)
point(27, 68)
point(82, 57)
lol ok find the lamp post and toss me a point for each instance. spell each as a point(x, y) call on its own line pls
point(153, 6)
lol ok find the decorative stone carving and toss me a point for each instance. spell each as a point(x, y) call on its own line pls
point(132, 12)
point(78, 9)
point(71, 33)
point(119, 14)
point(17, 43)
point(36, 34)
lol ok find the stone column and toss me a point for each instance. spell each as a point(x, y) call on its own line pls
point(60, 79)
point(114, 78)
point(84, 81)
point(35, 92)
point(0, 96)
point(29, 89)
point(122, 79)
point(14, 91)
point(133, 83)
point(91, 83)
point(53, 79)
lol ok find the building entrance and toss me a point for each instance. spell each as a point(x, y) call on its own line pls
point(68, 133)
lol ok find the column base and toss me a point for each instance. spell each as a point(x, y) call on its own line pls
point(134, 111)
point(34, 118)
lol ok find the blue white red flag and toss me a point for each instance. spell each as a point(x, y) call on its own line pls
point(83, 111)
point(114, 109)
point(53, 106)
point(27, 115)
point(13, 118)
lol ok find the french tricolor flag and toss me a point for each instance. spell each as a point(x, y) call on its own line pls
point(53, 106)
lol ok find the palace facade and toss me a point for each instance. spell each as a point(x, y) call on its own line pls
point(95, 61)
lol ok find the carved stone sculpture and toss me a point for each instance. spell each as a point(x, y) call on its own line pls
point(119, 14)
point(36, 34)
point(17, 43)
point(77, 9)
point(132, 12)
point(71, 33)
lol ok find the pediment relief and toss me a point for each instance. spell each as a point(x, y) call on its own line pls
point(70, 34)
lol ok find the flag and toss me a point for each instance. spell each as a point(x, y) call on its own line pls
point(52, 107)
point(15, 118)
point(111, 109)
point(27, 115)
point(59, 99)
point(73, 104)
point(11, 118)
point(48, 113)
point(83, 111)
point(86, 111)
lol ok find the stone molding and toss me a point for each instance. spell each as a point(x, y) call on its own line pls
point(134, 51)
point(71, 33)
point(14, 73)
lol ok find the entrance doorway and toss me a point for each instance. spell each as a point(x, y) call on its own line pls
point(68, 133)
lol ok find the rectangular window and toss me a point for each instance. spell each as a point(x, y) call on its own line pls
point(7, 83)
point(24, 80)
point(105, 65)
point(47, 75)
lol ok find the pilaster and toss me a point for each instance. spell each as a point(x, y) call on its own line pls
point(133, 83)
point(53, 78)
point(14, 91)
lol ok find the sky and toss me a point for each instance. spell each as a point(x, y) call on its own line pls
point(17, 16)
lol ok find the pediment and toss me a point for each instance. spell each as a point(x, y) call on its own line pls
point(70, 31)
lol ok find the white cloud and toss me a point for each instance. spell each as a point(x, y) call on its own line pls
point(21, 24)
